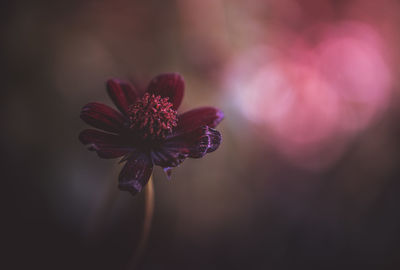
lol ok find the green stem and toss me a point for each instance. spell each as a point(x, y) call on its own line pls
point(148, 217)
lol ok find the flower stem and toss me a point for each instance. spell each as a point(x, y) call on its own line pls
point(148, 217)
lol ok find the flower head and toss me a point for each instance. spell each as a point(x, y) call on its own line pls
point(147, 130)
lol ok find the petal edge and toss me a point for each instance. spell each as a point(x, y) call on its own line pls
point(203, 116)
point(122, 93)
point(194, 144)
point(103, 117)
point(106, 145)
point(171, 85)
point(135, 174)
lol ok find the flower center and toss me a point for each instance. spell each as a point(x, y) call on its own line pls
point(152, 116)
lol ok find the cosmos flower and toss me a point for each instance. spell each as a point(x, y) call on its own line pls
point(147, 130)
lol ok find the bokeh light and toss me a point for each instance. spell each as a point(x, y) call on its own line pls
point(312, 98)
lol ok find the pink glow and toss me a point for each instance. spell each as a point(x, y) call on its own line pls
point(312, 99)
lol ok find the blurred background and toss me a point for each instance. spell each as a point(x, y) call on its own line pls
point(307, 176)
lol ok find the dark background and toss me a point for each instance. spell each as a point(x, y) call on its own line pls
point(307, 176)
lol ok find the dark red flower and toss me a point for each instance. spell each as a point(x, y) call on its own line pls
point(147, 130)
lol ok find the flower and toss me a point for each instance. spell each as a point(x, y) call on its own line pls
point(147, 130)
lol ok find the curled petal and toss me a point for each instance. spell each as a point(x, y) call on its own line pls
point(169, 85)
point(103, 117)
point(204, 116)
point(122, 94)
point(106, 145)
point(136, 173)
point(215, 140)
point(194, 144)
point(201, 141)
point(168, 156)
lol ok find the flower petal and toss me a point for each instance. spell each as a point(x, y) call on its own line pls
point(203, 116)
point(122, 94)
point(103, 117)
point(168, 156)
point(201, 141)
point(106, 145)
point(169, 85)
point(136, 173)
point(194, 144)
